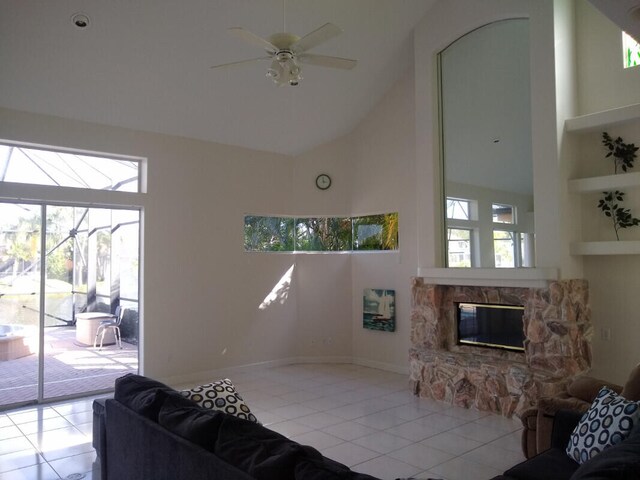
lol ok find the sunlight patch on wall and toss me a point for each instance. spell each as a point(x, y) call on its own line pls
point(280, 291)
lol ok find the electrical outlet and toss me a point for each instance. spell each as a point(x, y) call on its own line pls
point(605, 334)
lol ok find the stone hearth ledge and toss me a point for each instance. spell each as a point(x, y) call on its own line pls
point(557, 328)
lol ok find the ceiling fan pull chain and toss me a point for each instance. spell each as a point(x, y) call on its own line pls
point(284, 15)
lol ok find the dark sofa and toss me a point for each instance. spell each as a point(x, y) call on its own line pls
point(619, 462)
point(150, 431)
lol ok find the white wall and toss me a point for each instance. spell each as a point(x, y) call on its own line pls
point(614, 280)
point(566, 107)
point(201, 290)
point(383, 181)
point(373, 170)
point(203, 296)
point(603, 82)
point(324, 293)
point(614, 284)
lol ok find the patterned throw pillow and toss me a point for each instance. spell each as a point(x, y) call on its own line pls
point(608, 421)
point(220, 395)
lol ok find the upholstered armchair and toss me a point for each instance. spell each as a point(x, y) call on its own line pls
point(538, 421)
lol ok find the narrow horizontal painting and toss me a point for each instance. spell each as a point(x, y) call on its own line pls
point(379, 310)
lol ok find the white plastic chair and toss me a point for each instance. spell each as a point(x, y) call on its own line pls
point(112, 323)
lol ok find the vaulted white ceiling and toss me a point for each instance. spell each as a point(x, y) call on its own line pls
point(144, 64)
point(624, 13)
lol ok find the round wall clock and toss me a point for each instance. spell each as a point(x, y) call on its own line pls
point(323, 181)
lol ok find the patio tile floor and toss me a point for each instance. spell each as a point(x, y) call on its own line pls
point(69, 369)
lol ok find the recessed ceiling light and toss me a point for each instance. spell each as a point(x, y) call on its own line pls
point(80, 20)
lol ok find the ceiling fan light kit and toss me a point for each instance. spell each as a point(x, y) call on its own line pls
point(288, 52)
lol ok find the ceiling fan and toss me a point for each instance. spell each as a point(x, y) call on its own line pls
point(288, 53)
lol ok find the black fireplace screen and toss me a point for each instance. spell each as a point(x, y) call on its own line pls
point(494, 326)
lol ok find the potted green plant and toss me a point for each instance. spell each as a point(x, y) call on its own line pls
point(624, 154)
point(620, 216)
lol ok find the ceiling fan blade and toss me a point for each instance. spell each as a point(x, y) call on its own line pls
point(233, 64)
point(326, 61)
point(315, 38)
point(253, 39)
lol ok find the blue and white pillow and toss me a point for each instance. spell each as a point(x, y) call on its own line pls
point(608, 421)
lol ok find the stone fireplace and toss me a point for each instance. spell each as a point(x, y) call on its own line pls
point(557, 331)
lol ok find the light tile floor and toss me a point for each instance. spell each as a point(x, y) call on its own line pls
point(362, 417)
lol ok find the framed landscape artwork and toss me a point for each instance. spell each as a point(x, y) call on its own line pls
point(379, 310)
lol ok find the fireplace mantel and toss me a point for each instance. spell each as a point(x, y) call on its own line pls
point(490, 277)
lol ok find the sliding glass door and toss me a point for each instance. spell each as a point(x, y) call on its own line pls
point(20, 295)
point(56, 289)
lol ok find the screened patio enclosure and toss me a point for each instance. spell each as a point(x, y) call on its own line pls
point(58, 262)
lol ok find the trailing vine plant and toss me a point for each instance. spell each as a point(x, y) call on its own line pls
point(624, 154)
point(620, 216)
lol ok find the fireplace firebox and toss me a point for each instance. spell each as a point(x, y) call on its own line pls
point(490, 325)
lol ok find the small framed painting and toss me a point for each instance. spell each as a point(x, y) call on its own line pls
point(379, 310)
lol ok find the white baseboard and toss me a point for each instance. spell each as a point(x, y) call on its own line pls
point(212, 375)
point(402, 369)
point(345, 359)
point(215, 374)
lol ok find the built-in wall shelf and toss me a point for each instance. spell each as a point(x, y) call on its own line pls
point(605, 183)
point(623, 247)
point(592, 121)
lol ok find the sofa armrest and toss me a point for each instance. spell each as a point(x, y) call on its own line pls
point(564, 422)
point(550, 405)
point(98, 426)
point(100, 434)
point(529, 419)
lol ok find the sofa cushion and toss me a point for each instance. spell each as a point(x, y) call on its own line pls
point(220, 395)
point(183, 417)
point(141, 394)
point(620, 462)
point(258, 451)
point(608, 421)
point(552, 463)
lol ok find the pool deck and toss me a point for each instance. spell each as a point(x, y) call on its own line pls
point(69, 369)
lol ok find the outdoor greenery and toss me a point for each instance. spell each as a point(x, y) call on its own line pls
point(376, 232)
point(67, 246)
point(631, 51)
point(624, 154)
point(620, 216)
point(22, 245)
point(321, 234)
point(268, 234)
